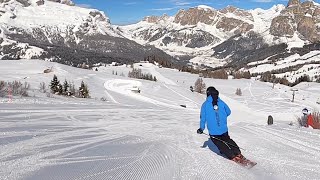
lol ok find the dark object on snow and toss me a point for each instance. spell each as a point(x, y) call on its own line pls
point(270, 120)
point(185, 106)
point(191, 89)
point(49, 70)
point(200, 131)
point(135, 89)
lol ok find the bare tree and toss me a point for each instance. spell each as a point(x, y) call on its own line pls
point(42, 87)
point(2, 88)
point(200, 86)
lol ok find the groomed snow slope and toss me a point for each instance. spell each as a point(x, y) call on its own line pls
point(149, 135)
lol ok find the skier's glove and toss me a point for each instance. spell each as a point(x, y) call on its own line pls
point(200, 131)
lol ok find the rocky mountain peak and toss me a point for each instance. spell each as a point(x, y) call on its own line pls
point(229, 8)
point(293, 3)
point(238, 12)
point(195, 15)
point(297, 17)
point(156, 19)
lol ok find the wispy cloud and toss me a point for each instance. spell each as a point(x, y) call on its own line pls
point(130, 3)
point(84, 5)
point(162, 9)
point(182, 3)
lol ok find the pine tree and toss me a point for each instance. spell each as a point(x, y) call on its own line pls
point(83, 90)
point(60, 89)
point(72, 89)
point(54, 85)
point(66, 87)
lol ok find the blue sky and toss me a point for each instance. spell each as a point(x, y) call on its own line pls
point(131, 11)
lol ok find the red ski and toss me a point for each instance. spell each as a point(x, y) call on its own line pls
point(247, 163)
point(241, 160)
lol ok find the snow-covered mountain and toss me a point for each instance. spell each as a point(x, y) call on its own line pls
point(198, 29)
point(232, 36)
point(58, 30)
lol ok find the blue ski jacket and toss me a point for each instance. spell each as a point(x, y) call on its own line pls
point(216, 120)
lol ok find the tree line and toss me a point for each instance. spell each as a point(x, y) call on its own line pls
point(68, 88)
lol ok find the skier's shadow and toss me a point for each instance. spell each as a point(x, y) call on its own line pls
point(212, 147)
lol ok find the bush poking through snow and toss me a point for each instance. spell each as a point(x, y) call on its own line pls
point(43, 87)
point(238, 92)
point(302, 120)
point(15, 88)
point(2, 89)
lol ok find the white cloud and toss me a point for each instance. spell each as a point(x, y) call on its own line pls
point(84, 5)
point(130, 3)
point(182, 3)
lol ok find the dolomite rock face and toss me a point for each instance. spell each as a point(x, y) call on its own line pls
point(193, 16)
point(300, 18)
point(230, 24)
point(282, 26)
point(156, 19)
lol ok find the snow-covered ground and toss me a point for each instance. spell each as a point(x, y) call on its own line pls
point(309, 66)
point(149, 135)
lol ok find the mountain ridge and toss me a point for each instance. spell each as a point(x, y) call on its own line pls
point(232, 37)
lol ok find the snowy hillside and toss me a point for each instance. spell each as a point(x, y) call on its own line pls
point(307, 64)
point(148, 135)
point(62, 32)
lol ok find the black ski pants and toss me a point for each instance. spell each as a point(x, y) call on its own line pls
point(226, 145)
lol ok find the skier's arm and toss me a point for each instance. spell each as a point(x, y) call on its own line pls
point(227, 109)
point(203, 117)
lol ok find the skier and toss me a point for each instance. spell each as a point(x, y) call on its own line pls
point(308, 118)
point(214, 113)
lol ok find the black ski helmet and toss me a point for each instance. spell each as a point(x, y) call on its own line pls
point(211, 91)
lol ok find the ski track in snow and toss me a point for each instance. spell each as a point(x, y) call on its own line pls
point(149, 136)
